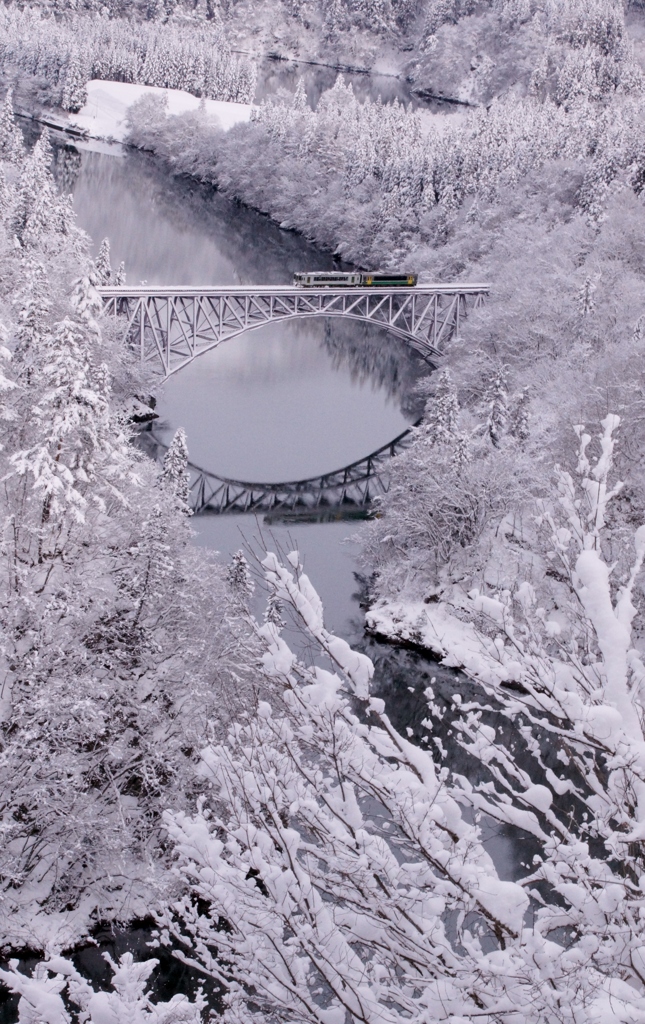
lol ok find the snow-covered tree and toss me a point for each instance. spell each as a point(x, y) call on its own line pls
point(175, 476)
point(102, 263)
point(239, 577)
point(442, 411)
point(273, 612)
point(332, 874)
point(119, 653)
point(497, 399)
point(586, 299)
point(74, 94)
point(55, 986)
point(11, 144)
point(519, 426)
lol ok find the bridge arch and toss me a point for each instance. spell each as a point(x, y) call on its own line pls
point(172, 327)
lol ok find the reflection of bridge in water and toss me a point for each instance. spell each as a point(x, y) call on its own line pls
point(172, 326)
point(346, 490)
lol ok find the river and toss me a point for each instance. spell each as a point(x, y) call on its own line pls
point(285, 402)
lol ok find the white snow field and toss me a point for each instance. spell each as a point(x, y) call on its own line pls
point(104, 114)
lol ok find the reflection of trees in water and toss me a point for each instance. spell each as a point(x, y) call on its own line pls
point(67, 165)
point(260, 251)
point(279, 78)
point(371, 354)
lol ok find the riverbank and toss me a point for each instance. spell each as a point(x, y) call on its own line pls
point(444, 630)
point(104, 115)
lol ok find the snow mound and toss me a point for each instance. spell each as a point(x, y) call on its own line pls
point(103, 116)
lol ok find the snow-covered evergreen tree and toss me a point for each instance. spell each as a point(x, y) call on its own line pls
point(102, 263)
point(118, 653)
point(273, 612)
point(239, 577)
point(11, 143)
point(586, 300)
point(519, 426)
point(74, 94)
point(175, 476)
point(497, 399)
point(442, 411)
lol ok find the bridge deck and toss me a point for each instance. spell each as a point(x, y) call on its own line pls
point(197, 291)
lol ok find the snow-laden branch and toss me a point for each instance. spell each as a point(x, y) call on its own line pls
point(42, 995)
point(343, 882)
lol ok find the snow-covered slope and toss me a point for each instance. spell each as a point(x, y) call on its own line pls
point(104, 114)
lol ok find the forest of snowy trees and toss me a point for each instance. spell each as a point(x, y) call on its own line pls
point(68, 52)
point(163, 753)
point(119, 654)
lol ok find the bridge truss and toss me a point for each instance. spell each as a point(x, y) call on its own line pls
point(172, 326)
point(353, 486)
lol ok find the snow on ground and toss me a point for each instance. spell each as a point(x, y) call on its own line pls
point(435, 627)
point(103, 116)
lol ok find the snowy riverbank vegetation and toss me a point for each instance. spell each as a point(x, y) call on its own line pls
point(118, 652)
point(335, 871)
point(539, 194)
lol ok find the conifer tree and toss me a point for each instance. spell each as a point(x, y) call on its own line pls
point(497, 406)
point(273, 612)
point(11, 144)
point(74, 95)
point(442, 411)
point(175, 476)
point(239, 577)
point(300, 97)
point(36, 210)
point(119, 275)
point(102, 263)
point(586, 301)
point(461, 453)
point(518, 426)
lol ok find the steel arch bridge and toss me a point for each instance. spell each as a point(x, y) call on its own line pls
point(352, 487)
point(172, 326)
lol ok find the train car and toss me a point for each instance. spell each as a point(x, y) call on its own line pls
point(389, 280)
point(328, 279)
point(338, 279)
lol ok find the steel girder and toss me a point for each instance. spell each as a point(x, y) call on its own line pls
point(171, 327)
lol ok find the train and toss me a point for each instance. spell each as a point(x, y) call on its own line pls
point(353, 279)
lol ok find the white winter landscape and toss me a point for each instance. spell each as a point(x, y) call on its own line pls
point(103, 115)
point(322, 435)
